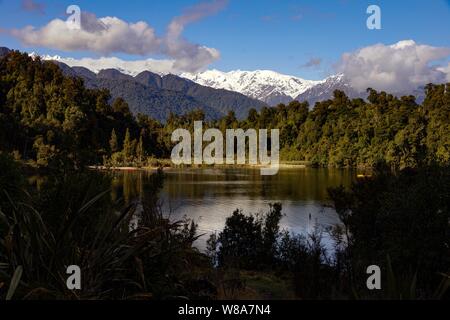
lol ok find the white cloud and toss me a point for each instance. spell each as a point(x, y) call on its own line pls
point(188, 56)
point(105, 35)
point(132, 67)
point(400, 67)
point(109, 35)
point(446, 70)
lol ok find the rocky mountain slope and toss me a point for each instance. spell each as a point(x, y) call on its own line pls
point(268, 86)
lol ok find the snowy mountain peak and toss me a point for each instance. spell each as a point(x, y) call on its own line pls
point(131, 68)
point(265, 85)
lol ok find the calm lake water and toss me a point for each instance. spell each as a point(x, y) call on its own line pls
point(209, 196)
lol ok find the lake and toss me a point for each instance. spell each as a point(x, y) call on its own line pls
point(209, 196)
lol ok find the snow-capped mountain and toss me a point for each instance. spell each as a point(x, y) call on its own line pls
point(268, 86)
point(324, 90)
point(264, 85)
point(131, 68)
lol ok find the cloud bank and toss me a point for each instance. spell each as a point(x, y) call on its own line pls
point(130, 67)
point(105, 36)
point(191, 57)
point(446, 70)
point(400, 67)
point(111, 35)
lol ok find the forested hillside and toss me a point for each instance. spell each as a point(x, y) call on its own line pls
point(344, 132)
point(156, 96)
point(54, 120)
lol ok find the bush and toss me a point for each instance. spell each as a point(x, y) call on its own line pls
point(401, 222)
point(127, 253)
point(248, 242)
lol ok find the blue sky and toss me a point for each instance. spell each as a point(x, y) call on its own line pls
point(280, 35)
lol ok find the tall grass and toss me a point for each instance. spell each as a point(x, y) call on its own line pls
point(71, 222)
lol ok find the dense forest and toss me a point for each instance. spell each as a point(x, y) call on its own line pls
point(52, 120)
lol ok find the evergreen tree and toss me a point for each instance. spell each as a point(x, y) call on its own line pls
point(113, 143)
point(140, 149)
point(128, 146)
point(120, 106)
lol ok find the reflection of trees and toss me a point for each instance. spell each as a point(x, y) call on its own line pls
point(292, 184)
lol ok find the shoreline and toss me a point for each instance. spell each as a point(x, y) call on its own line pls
point(283, 165)
point(168, 166)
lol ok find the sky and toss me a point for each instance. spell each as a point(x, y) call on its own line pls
point(308, 39)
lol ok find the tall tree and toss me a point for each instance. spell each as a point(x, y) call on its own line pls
point(113, 143)
point(140, 150)
point(128, 148)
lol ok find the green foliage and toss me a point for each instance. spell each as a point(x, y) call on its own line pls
point(140, 152)
point(256, 243)
point(398, 221)
point(127, 253)
point(240, 241)
point(12, 181)
point(113, 142)
point(157, 96)
point(341, 132)
point(56, 122)
point(401, 222)
point(128, 146)
point(248, 241)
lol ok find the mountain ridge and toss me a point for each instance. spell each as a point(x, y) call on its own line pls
point(157, 96)
point(265, 85)
point(213, 91)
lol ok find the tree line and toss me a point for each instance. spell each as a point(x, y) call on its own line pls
point(53, 120)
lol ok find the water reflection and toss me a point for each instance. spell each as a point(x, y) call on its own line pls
point(209, 196)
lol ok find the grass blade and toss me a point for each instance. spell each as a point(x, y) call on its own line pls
point(14, 282)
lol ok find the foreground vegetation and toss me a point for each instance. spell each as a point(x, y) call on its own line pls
point(123, 251)
point(397, 221)
point(54, 121)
